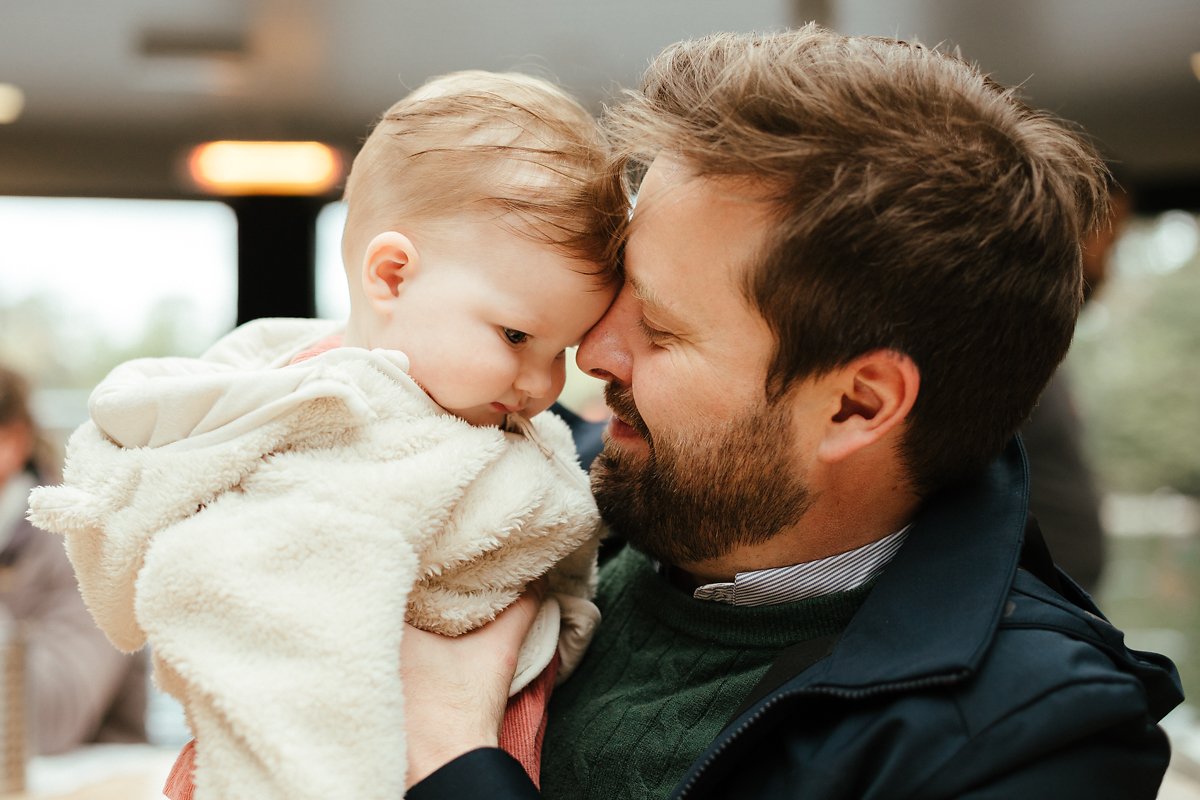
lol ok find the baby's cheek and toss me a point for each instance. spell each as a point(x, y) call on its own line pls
point(558, 379)
point(437, 383)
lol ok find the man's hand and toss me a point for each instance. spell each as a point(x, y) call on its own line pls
point(456, 689)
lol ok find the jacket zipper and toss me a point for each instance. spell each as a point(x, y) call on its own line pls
point(846, 694)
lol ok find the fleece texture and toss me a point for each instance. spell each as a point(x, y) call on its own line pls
point(268, 527)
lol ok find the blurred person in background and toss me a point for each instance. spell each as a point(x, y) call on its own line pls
point(1062, 490)
point(80, 688)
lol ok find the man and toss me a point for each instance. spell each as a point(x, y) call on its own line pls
point(853, 265)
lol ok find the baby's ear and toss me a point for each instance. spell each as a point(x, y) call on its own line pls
point(389, 260)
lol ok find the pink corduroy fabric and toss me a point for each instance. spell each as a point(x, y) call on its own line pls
point(179, 784)
point(524, 725)
point(328, 343)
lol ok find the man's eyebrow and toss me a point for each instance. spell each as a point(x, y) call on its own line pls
point(653, 302)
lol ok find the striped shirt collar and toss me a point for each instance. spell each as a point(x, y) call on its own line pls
point(839, 573)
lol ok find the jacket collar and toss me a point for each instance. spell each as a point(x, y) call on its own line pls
point(936, 607)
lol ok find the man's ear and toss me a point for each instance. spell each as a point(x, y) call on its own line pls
point(878, 391)
point(390, 259)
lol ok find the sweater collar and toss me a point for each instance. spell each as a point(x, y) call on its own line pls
point(935, 609)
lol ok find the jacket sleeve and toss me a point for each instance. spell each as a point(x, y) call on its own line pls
point(235, 385)
point(191, 403)
point(1091, 735)
point(277, 618)
point(484, 773)
point(1126, 762)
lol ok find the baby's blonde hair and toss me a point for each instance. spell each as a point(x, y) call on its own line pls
point(503, 144)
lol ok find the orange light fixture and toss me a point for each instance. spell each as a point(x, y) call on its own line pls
point(12, 101)
point(244, 168)
point(1196, 64)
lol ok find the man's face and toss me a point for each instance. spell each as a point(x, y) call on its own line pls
point(696, 460)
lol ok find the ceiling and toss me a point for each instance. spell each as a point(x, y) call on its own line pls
point(116, 90)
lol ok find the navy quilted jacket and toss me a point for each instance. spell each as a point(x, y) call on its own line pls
point(963, 675)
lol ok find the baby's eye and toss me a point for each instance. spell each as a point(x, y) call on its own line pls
point(514, 337)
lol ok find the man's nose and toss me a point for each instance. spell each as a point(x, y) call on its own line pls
point(604, 352)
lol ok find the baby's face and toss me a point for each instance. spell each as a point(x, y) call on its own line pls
point(486, 320)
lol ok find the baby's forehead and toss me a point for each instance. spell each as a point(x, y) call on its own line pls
point(546, 242)
point(559, 299)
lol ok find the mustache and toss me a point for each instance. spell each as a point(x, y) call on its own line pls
point(620, 399)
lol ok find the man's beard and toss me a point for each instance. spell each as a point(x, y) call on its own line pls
point(693, 500)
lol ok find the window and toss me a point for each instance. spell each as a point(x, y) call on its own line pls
point(88, 283)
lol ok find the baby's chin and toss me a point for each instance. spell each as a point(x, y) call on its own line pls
point(480, 417)
point(494, 413)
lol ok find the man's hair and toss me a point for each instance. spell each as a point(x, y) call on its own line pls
point(919, 207)
point(503, 144)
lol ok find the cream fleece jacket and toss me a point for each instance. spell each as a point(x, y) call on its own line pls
point(267, 528)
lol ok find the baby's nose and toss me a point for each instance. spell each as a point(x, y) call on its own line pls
point(534, 382)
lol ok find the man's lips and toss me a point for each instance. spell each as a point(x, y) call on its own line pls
point(620, 429)
point(626, 424)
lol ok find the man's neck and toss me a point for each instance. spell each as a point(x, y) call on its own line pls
point(826, 529)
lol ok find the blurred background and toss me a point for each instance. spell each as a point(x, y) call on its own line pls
point(115, 243)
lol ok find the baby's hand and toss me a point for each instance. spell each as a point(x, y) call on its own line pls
point(456, 689)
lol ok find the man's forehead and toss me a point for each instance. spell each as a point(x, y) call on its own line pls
point(664, 177)
point(673, 175)
point(689, 220)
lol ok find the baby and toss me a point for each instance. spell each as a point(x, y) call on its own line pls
point(269, 515)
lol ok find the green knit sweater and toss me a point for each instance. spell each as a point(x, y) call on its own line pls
point(661, 678)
